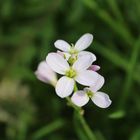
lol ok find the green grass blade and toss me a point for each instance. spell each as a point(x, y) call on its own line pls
point(42, 132)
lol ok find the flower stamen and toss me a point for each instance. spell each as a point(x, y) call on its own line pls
point(71, 73)
point(72, 59)
point(89, 93)
point(73, 50)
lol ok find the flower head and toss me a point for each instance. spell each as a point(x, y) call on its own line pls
point(45, 74)
point(101, 99)
point(77, 49)
point(71, 73)
point(75, 66)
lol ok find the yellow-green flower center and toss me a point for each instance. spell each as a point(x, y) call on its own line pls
point(72, 59)
point(72, 50)
point(71, 73)
point(89, 93)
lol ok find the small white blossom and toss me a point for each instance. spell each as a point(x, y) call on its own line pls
point(77, 49)
point(75, 65)
point(77, 72)
point(81, 97)
point(45, 74)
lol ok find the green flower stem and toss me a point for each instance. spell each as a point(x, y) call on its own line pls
point(86, 128)
point(79, 113)
point(78, 109)
point(80, 132)
point(75, 87)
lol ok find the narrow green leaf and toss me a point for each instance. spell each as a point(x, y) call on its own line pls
point(42, 132)
point(117, 114)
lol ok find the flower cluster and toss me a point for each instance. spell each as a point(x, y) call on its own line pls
point(75, 66)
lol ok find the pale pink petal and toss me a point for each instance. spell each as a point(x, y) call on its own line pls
point(84, 42)
point(45, 74)
point(94, 67)
point(99, 83)
point(87, 53)
point(57, 63)
point(101, 100)
point(64, 87)
point(62, 45)
point(82, 63)
point(87, 78)
point(60, 53)
point(80, 98)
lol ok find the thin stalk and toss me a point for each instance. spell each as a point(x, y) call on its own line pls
point(86, 128)
point(130, 73)
point(78, 109)
point(80, 133)
point(79, 114)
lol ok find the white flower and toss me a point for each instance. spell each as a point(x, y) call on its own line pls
point(80, 98)
point(77, 72)
point(77, 49)
point(45, 74)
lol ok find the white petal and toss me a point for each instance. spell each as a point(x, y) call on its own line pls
point(65, 55)
point(101, 100)
point(45, 73)
point(57, 63)
point(83, 63)
point(99, 83)
point(84, 42)
point(87, 53)
point(80, 98)
point(64, 87)
point(87, 78)
point(62, 45)
point(60, 53)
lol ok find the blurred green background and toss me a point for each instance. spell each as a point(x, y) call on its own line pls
point(30, 109)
